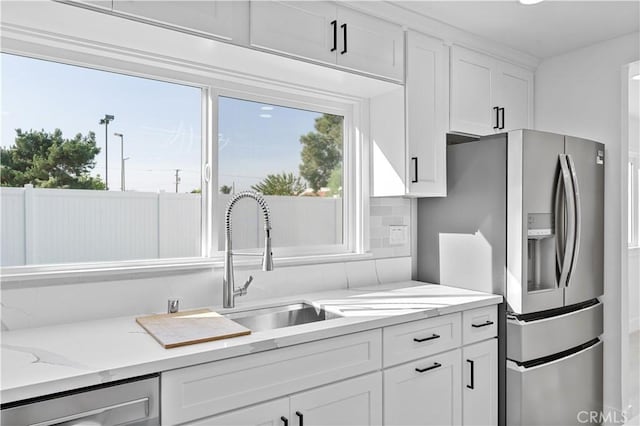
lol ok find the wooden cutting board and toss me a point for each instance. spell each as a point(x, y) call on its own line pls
point(189, 327)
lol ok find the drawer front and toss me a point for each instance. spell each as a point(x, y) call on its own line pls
point(479, 324)
point(559, 392)
point(416, 339)
point(207, 389)
point(527, 340)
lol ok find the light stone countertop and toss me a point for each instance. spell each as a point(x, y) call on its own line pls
point(45, 360)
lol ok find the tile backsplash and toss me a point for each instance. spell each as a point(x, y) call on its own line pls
point(390, 227)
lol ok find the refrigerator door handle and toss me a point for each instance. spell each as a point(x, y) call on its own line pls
point(578, 217)
point(569, 239)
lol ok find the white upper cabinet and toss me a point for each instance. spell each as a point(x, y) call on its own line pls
point(325, 32)
point(515, 97)
point(427, 99)
point(419, 113)
point(295, 28)
point(369, 44)
point(488, 95)
point(221, 19)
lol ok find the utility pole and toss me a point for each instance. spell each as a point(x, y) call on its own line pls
point(177, 179)
point(108, 118)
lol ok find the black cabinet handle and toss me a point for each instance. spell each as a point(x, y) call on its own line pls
point(415, 169)
point(497, 110)
point(334, 24)
point(471, 366)
point(285, 420)
point(482, 325)
point(300, 418)
point(435, 365)
point(502, 118)
point(433, 336)
point(344, 34)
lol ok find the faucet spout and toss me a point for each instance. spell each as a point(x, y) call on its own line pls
point(228, 288)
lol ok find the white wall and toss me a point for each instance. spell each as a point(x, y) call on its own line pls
point(579, 93)
point(59, 301)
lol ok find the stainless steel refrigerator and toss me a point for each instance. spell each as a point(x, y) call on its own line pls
point(524, 217)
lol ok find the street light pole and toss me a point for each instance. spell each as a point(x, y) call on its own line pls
point(108, 118)
point(121, 136)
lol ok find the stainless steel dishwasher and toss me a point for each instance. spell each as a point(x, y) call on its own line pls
point(129, 402)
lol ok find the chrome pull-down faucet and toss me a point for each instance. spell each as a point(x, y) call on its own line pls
point(229, 292)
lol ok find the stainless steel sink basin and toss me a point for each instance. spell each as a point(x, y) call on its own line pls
point(280, 316)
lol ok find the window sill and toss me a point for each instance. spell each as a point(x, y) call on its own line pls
point(36, 276)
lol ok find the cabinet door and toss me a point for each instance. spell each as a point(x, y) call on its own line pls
point(424, 392)
point(370, 45)
point(480, 383)
point(514, 93)
point(211, 17)
point(302, 28)
point(472, 106)
point(356, 402)
point(266, 414)
point(427, 100)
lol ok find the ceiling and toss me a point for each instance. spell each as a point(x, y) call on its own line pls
point(542, 30)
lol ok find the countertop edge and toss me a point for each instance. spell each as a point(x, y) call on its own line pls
point(255, 343)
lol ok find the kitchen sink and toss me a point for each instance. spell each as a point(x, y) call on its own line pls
point(280, 316)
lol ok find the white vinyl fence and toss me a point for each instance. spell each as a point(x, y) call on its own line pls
point(49, 226)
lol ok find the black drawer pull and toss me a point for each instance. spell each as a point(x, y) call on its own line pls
point(435, 365)
point(482, 325)
point(285, 420)
point(300, 418)
point(435, 336)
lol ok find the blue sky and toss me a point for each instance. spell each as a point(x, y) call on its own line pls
point(161, 123)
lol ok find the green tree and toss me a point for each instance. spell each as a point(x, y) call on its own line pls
point(335, 181)
point(47, 160)
point(280, 184)
point(226, 189)
point(322, 151)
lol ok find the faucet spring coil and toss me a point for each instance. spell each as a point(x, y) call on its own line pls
point(248, 194)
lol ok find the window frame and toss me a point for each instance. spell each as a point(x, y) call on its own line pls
point(355, 156)
point(260, 95)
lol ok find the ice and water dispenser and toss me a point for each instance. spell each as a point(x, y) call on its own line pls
point(541, 252)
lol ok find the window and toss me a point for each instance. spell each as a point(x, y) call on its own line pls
point(292, 156)
point(65, 203)
point(97, 166)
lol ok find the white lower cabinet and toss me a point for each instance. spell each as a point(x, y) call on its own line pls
point(424, 392)
point(480, 390)
point(436, 371)
point(356, 402)
point(265, 414)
